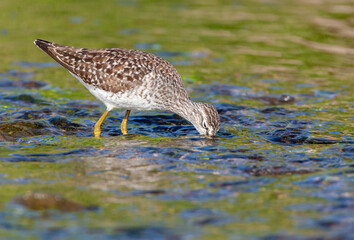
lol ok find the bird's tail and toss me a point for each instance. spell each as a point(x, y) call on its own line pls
point(42, 44)
point(52, 49)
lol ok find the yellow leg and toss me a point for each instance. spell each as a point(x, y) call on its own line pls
point(97, 130)
point(123, 126)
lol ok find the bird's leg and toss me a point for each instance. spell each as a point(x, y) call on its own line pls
point(97, 130)
point(123, 126)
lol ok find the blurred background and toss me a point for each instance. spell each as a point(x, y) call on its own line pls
point(280, 73)
point(226, 39)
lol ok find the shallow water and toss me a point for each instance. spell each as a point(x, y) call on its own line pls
point(265, 168)
point(281, 166)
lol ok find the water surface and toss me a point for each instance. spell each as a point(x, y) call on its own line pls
point(279, 168)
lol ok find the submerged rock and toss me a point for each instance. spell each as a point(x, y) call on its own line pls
point(295, 136)
point(141, 232)
point(32, 114)
point(12, 130)
point(324, 141)
point(275, 171)
point(286, 136)
point(28, 84)
point(9, 131)
point(27, 99)
point(276, 111)
point(64, 124)
point(45, 201)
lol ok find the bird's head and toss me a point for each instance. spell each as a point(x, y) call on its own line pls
point(205, 119)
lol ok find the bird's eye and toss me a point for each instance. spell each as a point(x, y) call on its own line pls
point(204, 124)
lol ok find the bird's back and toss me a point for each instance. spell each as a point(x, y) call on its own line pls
point(114, 69)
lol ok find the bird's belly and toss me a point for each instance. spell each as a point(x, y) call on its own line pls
point(131, 100)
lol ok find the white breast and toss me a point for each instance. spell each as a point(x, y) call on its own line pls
point(122, 100)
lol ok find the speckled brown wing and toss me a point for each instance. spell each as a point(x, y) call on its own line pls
point(115, 70)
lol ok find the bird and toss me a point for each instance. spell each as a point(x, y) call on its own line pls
point(132, 80)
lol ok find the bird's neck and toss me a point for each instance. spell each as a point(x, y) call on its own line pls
point(186, 109)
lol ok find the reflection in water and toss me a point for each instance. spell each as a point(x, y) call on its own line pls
point(138, 164)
